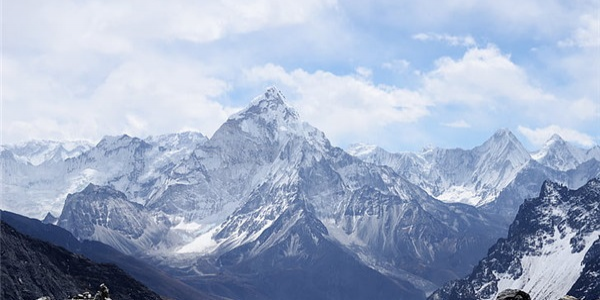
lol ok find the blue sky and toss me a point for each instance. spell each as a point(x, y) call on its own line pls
point(399, 74)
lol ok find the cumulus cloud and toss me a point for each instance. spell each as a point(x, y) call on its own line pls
point(83, 69)
point(539, 136)
point(145, 96)
point(488, 88)
point(118, 26)
point(484, 86)
point(481, 77)
point(586, 35)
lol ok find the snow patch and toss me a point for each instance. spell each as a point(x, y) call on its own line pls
point(202, 244)
point(550, 275)
point(460, 194)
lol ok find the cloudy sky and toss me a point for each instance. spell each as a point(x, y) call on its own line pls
point(400, 74)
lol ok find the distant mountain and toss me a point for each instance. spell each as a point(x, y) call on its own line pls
point(103, 214)
point(495, 176)
point(559, 155)
point(39, 152)
point(32, 269)
point(551, 250)
point(474, 177)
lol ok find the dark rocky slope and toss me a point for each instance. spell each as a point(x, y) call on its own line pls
point(32, 269)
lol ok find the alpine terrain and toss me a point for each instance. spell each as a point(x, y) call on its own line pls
point(267, 208)
point(32, 269)
point(495, 176)
point(552, 249)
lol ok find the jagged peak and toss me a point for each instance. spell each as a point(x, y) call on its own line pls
point(120, 141)
point(271, 105)
point(111, 139)
point(504, 134)
point(560, 154)
point(555, 138)
point(93, 189)
point(272, 94)
point(551, 188)
point(502, 140)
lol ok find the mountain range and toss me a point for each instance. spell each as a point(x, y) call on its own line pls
point(496, 176)
point(267, 208)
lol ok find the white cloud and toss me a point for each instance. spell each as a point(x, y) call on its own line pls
point(452, 40)
point(584, 109)
point(120, 26)
point(587, 34)
point(483, 76)
point(539, 136)
point(488, 88)
point(458, 124)
point(343, 106)
point(484, 86)
point(364, 73)
point(82, 69)
point(145, 96)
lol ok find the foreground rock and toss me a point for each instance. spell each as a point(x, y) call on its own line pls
point(32, 269)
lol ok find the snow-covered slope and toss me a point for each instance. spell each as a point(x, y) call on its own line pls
point(495, 176)
point(103, 214)
point(560, 155)
point(38, 152)
point(359, 203)
point(474, 177)
point(546, 251)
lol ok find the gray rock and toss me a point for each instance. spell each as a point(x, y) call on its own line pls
point(511, 294)
point(567, 297)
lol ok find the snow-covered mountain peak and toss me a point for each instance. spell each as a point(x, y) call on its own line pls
point(502, 148)
point(267, 121)
point(504, 140)
point(553, 143)
point(555, 138)
point(361, 150)
point(271, 107)
point(559, 154)
point(92, 189)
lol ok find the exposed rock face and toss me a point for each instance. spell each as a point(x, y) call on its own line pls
point(587, 286)
point(511, 294)
point(32, 269)
point(552, 249)
point(156, 280)
point(103, 213)
point(567, 297)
